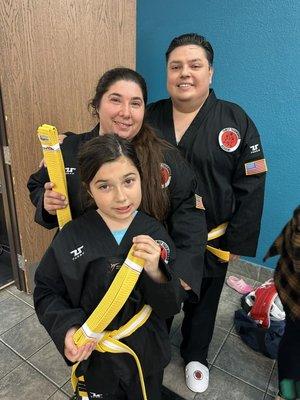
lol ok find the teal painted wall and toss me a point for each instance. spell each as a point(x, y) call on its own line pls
point(257, 65)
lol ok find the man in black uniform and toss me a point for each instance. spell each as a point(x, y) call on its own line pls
point(223, 146)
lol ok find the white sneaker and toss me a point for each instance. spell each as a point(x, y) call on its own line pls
point(196, 376)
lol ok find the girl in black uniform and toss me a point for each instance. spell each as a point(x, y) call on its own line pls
point(119, 104)
point(82, 262)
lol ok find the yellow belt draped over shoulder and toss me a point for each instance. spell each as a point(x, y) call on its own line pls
point(104, 313)
point(48, 136)
point(213, 234)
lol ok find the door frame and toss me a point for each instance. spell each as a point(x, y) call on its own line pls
point(9, 207)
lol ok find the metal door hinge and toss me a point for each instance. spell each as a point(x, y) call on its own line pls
point(21, 262)
point(7, 158)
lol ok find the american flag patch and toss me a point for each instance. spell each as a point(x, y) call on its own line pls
point(199, 202)
point(256, 167)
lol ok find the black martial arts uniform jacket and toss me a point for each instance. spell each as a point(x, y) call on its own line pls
point(185, 223)
point(74, 275)
point(223, 146)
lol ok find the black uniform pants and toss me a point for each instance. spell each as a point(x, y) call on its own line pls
point(132, 390)
point(199, 321)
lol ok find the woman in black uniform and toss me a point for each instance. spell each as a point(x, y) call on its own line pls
point(119, 104)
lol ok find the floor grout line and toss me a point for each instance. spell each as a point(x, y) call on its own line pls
point(12, 327)
point(239, 379)
point(220, 349)
point(24, 301)
point(270, 377)
point(29, 363)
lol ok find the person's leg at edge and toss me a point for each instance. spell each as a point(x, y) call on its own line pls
point(197, 331)
point(289, 360)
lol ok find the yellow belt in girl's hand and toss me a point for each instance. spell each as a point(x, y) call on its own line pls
point(48, 136)
point(107, 309)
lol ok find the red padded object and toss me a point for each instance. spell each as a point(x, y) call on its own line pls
point(264, 297)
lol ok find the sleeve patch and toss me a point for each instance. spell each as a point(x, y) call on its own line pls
point(199, 202)
point(165, 175)
point(256, 167)
point(164, 251)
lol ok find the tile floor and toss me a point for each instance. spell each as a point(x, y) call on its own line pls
point(31, 368)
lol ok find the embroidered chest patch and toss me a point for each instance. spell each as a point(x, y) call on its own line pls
point(165, 251)
point(165, 175)
point(229, 139)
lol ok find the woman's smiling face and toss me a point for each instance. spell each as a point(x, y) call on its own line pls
point(122, 109)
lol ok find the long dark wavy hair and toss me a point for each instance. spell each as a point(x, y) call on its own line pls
point(149, 148)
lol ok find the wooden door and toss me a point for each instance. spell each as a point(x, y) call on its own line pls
point(52, 53)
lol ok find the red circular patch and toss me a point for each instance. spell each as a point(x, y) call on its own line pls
point(163, 254)
point(164, 251)
point(198, 375)
point(229, 139)
point(165, 175)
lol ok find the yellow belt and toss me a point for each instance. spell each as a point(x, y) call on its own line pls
point(48, 136)
point(213, 234)
point(107, 309)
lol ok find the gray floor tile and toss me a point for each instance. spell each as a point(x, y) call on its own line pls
point(244, 268)
point(225, 314)
point(13, 311)
point(174, 376)
point(273, 384)
point(268, 397)
point(50, 362)
point(26, 337)
point(225, 387)
point(21, 295)
point(242, 362)
point(67, 388)
point(265, 274)
point(216, 343)
point(59, 396)
point(8, 360)
point(229, 294)
point(25, 382)
point(4, 294)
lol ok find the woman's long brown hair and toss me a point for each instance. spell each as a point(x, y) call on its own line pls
point(149, 148)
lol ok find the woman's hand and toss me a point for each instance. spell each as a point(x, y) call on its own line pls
point(147, 249)
point(53, 201)
point(74, 353)
point(184, 285)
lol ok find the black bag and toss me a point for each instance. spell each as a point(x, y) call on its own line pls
point(265, 341)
